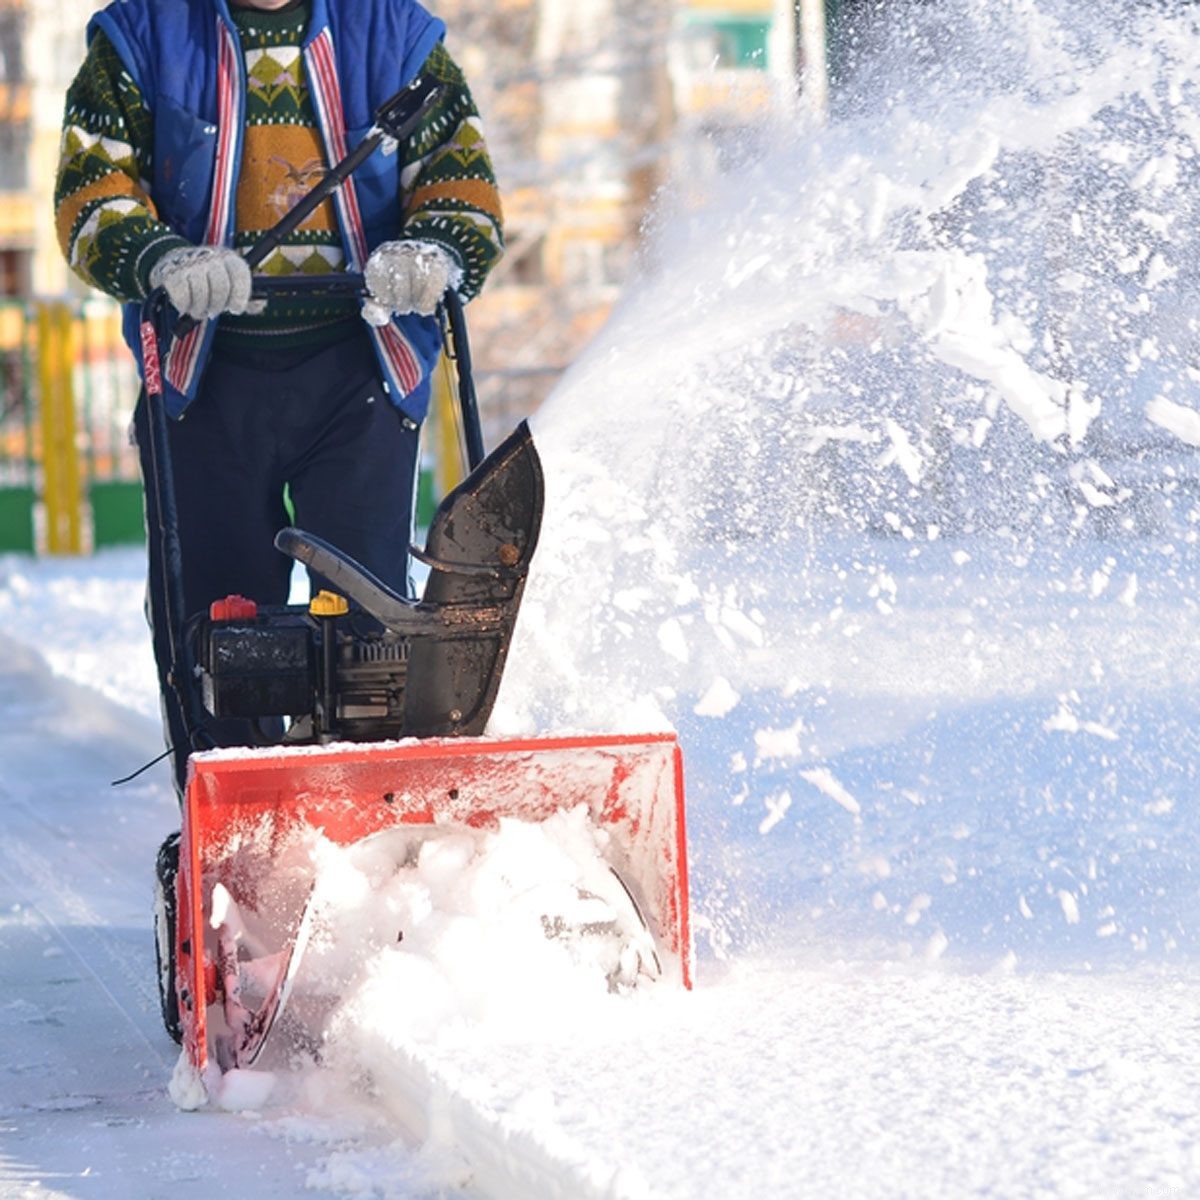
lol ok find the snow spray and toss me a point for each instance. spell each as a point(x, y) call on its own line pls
point(880, 485)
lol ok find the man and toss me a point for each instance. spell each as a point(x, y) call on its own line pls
point(192, 127)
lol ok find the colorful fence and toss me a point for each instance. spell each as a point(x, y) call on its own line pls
point(69, 480)
point(68, 473)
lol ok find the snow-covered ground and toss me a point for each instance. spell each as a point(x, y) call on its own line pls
point(881, 488)
point(918, 992)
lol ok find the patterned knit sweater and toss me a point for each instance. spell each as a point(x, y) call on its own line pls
point(109, 229)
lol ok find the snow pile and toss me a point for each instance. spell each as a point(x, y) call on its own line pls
point(85, 618)
point(413, 934)
point(498, 928)
point(423, 939)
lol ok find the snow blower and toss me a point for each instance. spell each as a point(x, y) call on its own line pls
point(385, 701)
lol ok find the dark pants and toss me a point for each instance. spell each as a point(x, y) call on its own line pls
point(318, 422)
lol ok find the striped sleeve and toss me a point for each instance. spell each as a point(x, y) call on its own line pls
point(107, 225)
point(448, 184)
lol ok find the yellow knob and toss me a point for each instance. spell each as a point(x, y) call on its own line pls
point(328, 604)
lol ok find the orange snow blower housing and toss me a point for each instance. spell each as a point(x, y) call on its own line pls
point(632, 787)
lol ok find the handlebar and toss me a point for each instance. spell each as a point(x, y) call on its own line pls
point(349, 285)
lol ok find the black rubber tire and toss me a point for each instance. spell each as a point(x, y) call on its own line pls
point(166, 868)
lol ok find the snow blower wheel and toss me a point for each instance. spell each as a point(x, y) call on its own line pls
point(166, 872)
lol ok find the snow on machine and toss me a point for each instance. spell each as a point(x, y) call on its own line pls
point(385, 701)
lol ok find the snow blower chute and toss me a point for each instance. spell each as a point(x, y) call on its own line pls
point(385, 701)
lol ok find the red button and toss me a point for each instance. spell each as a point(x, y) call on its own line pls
point(233, 608)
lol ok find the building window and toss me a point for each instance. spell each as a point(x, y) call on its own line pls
point(12, 56)
point(740, 42)
point(14, 156)
point(15, 272)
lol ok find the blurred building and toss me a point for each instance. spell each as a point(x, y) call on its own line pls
point(41, 45)
point(584, 101)
point(587, 104)
point(16, 203)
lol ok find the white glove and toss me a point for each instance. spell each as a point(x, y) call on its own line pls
point(202, 281)
point(406, 277)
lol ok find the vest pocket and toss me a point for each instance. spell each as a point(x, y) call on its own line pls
point(377, 184)
point(184, 161)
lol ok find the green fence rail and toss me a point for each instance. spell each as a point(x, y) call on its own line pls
point(18, 464)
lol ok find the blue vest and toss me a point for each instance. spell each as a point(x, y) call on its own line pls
point(172, 49)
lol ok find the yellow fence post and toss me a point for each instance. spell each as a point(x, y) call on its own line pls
point(62, 492)
point(448, 460)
